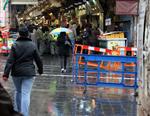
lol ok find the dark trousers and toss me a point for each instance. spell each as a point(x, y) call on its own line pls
point(63, 61)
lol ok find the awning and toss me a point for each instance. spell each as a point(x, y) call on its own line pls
point(126, 7)
point(24, 2)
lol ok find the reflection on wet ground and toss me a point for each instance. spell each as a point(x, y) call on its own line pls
point(55, 95)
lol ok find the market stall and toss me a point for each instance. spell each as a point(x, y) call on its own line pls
point(112, 40)
point(5, 43)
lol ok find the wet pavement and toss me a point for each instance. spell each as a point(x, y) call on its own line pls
point(54, 94)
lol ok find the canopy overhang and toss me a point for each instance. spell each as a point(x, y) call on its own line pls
point(126, 7)
point(24, 2)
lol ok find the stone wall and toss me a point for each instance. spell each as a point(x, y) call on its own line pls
point(144, 90)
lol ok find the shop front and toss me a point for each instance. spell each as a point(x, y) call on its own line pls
point(120, 23)
point(127, 11)
point(81, 12)
point(91, 12)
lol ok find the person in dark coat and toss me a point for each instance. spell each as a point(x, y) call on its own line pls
point(64, 45)
point(21, 64)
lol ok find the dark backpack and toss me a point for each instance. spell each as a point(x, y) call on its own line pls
point(6, 105)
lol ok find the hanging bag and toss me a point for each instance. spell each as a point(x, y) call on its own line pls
point(6, 105)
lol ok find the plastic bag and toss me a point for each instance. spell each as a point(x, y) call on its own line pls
point(3, 83)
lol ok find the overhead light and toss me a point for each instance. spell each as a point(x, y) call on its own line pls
point(88, 2)
point(30, 14)
point(94, 1)
point(50, 14)
point(28, 18)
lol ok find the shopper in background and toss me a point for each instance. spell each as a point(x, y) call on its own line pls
point(85, 36)
point(64, 45)
point(78, 29)
point(32, 32)
point(21, 64)
point(0, 34)
point(53, 46)
point(44, 43)
point(38, 36)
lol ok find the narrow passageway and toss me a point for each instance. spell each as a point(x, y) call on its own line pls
point(111, 40)
point(54, 94)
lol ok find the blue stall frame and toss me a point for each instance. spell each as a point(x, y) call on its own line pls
point(98, 70)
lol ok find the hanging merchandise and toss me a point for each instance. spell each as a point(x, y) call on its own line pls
point(6, 42)
point(5, 4)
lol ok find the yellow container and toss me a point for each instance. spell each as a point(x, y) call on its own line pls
point(119, 35)
point(122, 35)
point(108, 36)
point(115, 35)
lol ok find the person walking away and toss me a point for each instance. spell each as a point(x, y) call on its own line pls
point(45, 45)
point(33, 37)
point(38, 35)
point(21, 64)
point(64, 45)
point(53, 46)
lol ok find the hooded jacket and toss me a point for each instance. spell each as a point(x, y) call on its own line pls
point(21, 59)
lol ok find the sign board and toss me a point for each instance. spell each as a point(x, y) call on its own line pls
point(108, 21)
point(112, 45)
point(24, 2)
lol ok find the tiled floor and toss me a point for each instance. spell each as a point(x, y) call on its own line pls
point(55, 95)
